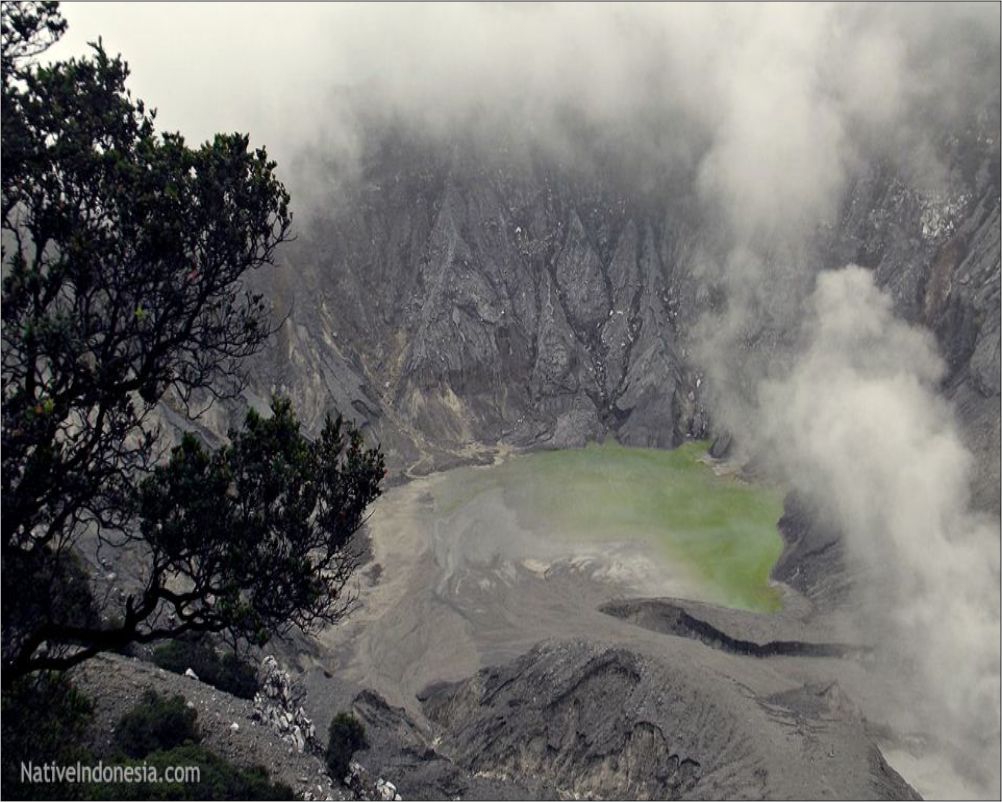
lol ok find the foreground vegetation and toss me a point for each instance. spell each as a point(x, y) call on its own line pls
point(126, 254)
point(125, 264)
point(46, 720)
point(226, 671)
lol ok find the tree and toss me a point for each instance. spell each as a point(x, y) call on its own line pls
point(125, 259)
point(259, 531)
point(344, 738)
point(157, 723)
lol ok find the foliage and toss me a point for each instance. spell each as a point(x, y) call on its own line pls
point(44, 720)
point(155, 724)
point(40, 585)
point(261, 526)
point(346, 736)
point(227, 672)
point(28, 29)
point(122, 282)
point(125, 265)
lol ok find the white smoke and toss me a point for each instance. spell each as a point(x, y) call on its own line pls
point(852, 418)
point(767, 102)
point(858, 427)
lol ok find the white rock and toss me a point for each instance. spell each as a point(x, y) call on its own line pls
point(234, 727)
point(189, 673)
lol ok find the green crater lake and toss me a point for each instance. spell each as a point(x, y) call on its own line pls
point(718, 531)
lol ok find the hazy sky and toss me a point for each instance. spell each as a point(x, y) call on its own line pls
point(211, 67)
point(809, 71)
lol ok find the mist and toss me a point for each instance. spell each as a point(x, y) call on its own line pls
point(764, 112)
point(767, 104)
point(858, 428)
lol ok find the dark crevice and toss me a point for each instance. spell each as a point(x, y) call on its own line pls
point(673, 620)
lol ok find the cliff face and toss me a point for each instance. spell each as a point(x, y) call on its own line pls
point(486, 303)
point(456, 297)
point(937, 254)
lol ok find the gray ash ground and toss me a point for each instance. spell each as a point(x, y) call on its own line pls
point(485, 678)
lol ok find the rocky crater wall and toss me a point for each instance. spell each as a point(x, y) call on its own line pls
point(457, 298)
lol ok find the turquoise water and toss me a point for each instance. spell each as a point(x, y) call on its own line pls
point(718, 530)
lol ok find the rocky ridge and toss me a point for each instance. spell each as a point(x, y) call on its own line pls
point(231, 727)
point(611, 723)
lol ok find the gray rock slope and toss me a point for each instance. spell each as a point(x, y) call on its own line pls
point(609, 722)
point(116, 684)
point(458, 295)
point(489, 302)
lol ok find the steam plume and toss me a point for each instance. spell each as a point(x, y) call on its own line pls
point(858, 427)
